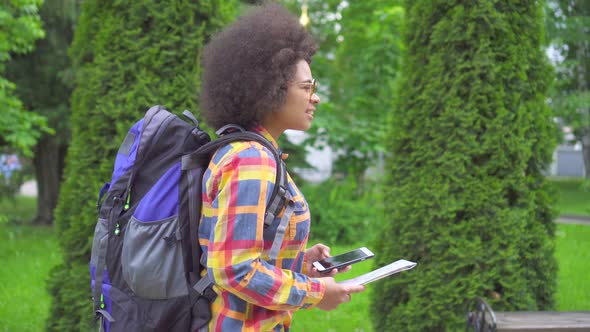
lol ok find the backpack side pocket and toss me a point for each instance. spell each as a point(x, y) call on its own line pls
point(152, 260)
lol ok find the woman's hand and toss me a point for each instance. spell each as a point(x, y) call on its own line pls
point(317, 253)
point(335, 294)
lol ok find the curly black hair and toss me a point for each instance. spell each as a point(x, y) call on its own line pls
point(247, 66)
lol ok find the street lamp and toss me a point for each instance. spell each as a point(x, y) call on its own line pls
point(304, 19)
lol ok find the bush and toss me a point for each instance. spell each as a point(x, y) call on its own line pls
point(340, 208)
point(128, 56)
point(470, 137)
point(10, 186)
point(18, 210)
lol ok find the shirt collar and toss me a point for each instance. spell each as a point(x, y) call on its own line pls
point(266, 134)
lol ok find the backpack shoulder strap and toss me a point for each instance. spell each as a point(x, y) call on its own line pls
point(203, 154)
point(279, 198)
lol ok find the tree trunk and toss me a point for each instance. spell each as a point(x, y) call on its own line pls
point(48, 163)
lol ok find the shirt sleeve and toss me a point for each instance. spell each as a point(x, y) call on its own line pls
point(239, 191)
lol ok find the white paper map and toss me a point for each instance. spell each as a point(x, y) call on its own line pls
point(387, 270)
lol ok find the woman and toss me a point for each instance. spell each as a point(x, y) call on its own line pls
point(257, 76)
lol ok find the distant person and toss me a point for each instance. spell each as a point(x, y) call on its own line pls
point(9, 164)
point(257, 75)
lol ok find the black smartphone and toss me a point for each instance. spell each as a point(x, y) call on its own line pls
point(343, 260)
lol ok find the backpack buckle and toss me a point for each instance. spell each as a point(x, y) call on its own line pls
point(102, 314)
point(209, 293)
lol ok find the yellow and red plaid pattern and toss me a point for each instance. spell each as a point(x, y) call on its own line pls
point(254, 294)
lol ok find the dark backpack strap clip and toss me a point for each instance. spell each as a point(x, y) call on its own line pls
point(226, 129)
point(275, 206)
point(205, 288)
point(103, 314)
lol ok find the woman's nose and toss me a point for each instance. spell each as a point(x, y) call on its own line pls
point(315, 99)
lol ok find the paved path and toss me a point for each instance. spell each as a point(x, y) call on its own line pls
point(573, 219)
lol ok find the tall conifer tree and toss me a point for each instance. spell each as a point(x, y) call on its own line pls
point(470, 137)
point(129, 55)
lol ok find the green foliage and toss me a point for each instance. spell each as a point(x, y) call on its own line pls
point(359, 72)
point(44, 83)
point(128, 56)
point(356, 66)
point(20, 26)
point(469, 139)
point(10, 186)
point(339, 208)
point(43, 76)
point(568, 22)
point(567, 33)
point(17, 210)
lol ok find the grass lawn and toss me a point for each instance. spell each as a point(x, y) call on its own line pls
point(352, 316)
point(573, 256)
point(27, 254)
point(573, 196)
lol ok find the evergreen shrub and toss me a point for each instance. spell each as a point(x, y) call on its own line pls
point(129, 55)
point(470, 137)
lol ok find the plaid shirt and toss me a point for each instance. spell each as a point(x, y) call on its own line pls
point(253, 294)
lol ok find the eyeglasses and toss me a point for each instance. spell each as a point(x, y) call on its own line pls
point(312, 86)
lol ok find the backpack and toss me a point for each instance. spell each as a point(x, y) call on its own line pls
point(145, 263)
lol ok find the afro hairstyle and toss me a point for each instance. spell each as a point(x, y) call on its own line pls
point(248, 66)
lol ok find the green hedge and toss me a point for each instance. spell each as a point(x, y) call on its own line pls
point(469, 139)
point(344, 211)
point(129, 55)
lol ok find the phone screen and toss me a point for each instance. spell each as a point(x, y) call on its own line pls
point(345, 259)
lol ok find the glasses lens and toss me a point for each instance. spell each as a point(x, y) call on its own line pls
point(314, 87)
